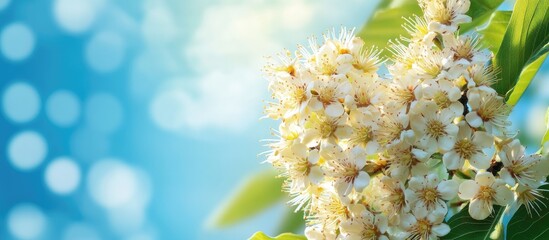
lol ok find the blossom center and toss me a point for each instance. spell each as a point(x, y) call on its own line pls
point(326, 95)
point(486, 193)
point(362, 135)
point(435, 128)
point(370, 232)
point(362, 99)
point(442, 100)
point(422, 229)
point(430, 196)
point(465, 148)
point(327, 128)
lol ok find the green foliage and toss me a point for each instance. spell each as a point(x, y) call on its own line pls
point(524, 226)
point(524, 42)
point(386, 23)
point(284, 236)
point(525, 77)
point(292, 221)
point(492, 34)
point(258, 193)
point(464, 227)
point(480, 11)
point(546, 135)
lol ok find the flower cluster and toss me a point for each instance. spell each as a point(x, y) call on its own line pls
point(368, 156)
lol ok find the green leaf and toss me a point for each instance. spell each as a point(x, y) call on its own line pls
point(292, 221)
point(524, 42)
point(386, 23)
point(525, 78)
point(492, 34)
point(258, 193)
point(546, 135)
point(524, 226)
point(480, 11)
point(463, 226)
point(284, 236)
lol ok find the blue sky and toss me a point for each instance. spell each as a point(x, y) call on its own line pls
point(135, 119)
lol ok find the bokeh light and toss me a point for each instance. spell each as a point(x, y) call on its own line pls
point(62, 176)
point(76, 16)
point(135, 119)
point(21, 102)
point(105, 51)
point(26, 221)
point(27, 150)
point(63, 108)
point(17, 41)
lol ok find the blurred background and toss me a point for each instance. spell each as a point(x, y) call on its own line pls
point(136, 119)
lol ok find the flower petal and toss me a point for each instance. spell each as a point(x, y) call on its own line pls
point(441, 229)
point(485, 179)
point(468, 189)
point(480, 209)
point(335, 109)
point(362, 181)
point(480, 160)
point(473, 119)
point(503, 195)
point(452, 160)
point(448, 189)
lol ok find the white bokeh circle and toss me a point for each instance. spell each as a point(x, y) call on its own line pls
point(26, 221)
point(76, 16)
point(17, 41)
point(103, 113)
point(21, 102)
point(27, 150)
point(105, 51)
point(112, 183)
point(63, 108)
point(62, 176)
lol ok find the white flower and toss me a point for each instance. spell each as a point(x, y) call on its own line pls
point(445, 15)
point(394, 130)
point(435, 130)
point(328, 95)
point(404, 161)
point(403, 92)
point(431, 65)
point(364, 124)
point(419, 31)
point(334, 57)
point(366, 94)
point(391, 199)
point(428, 194)
point(302, 167)
point(532, 199)
point(481, 75)
point(346, 169)
point(319, 232)
point(364, 225)
point(527, 170)
point(322, 128)
point(477, 148)
point(464, 50)
point(445, 94)
point(484, 192)
point(423, 226)
point(488, 110)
